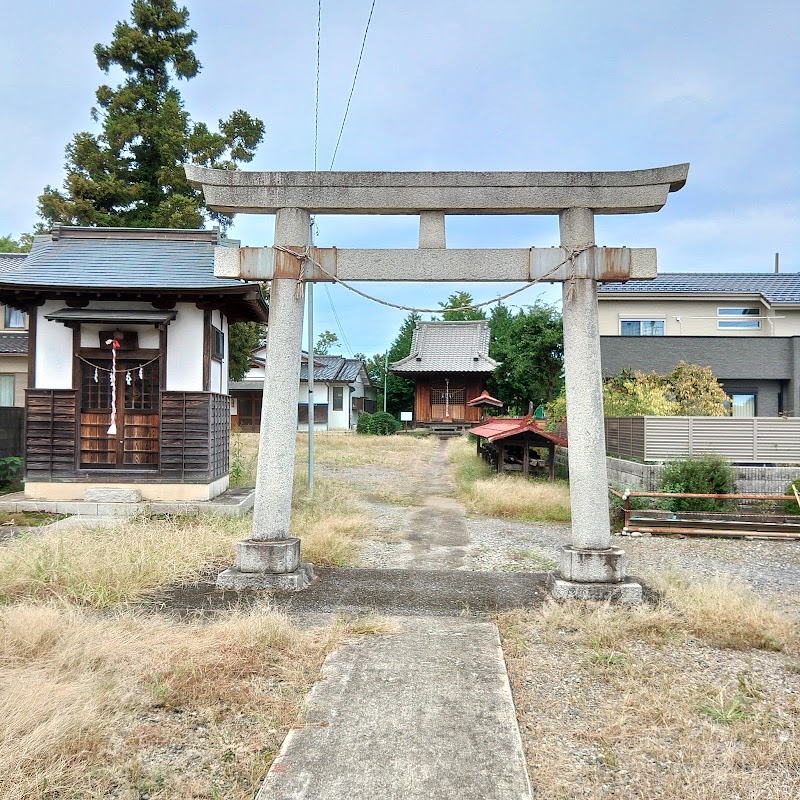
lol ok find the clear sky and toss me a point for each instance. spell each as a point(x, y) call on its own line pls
point(461, 85)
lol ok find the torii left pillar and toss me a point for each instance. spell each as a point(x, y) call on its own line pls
point(270, 559)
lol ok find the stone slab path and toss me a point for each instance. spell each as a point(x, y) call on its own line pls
point(425, 712)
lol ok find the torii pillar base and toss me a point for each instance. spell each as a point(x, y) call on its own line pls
point(267, 565)
point(593, 574)
point(625, 593)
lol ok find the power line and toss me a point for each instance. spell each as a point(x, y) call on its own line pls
point(316, 103)
point(353, 87)
point(338, 323)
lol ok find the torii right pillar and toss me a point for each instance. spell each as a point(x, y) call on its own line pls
point(590, 568)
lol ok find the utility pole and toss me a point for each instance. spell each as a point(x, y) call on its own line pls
point(385, 377)
point(310, 291)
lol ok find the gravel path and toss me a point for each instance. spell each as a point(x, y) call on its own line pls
point(434, 532)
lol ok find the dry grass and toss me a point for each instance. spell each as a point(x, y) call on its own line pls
point(336, 449)
point(727, 614)
point(103, 567)
point(653, 702)
point(515, 497)
point(508, 496)
point(125, 706)
point(342, 449)
point(331, 524)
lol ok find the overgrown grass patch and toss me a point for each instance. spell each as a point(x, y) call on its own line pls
point(645, 702)
point(106, 566)
point(508, 496)
point(92, 703)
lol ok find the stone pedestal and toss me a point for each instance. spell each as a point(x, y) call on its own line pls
point(593, 574)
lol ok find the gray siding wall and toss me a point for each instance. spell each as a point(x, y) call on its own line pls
point(763, 361)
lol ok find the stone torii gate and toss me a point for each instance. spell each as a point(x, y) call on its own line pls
point(590, 567)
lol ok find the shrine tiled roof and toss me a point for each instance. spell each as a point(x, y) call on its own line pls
point(775, 288)
point(443, 346)
point(9, 261)
point(332, 369)
point(13, 343)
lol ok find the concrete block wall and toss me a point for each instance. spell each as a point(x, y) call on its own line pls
point(647, 477)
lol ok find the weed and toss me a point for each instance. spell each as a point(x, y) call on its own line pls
point(605, 657)
point(726, 709)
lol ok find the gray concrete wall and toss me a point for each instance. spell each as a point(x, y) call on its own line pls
point(647, 477)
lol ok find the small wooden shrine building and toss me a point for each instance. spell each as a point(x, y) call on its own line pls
point(128, 361)
point(449, 364)
point(517, 444)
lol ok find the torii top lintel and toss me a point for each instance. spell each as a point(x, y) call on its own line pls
point(627, 192)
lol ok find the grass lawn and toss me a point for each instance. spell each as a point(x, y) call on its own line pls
point(694, 698)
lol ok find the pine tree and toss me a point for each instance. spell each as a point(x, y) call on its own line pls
point(131, 173)
point(460, 301)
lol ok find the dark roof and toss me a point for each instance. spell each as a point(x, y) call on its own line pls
point(14, 343)
point(152, 260)
point(448, 347)
point(332, 368)
point(102, 258)
point(773, 287)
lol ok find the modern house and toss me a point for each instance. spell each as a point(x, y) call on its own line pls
point(13, 343)
point(449, 364)
point(745, 326)
point(128, 361)
point(342, 390)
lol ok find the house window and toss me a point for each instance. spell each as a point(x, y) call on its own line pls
point(641, 327)
point(338, 398)
point(6, 390)
point(743, 405)
point(217, 343)
point(739, 318)
point(14, 318)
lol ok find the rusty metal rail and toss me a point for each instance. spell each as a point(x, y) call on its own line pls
point(750, 526)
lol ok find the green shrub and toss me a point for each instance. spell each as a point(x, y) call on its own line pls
point(704, 475)
point(10, 472)
point(791, 506)
point(383, 424)
point(364, 424)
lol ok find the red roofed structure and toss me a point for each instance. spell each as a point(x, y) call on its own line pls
point(515, 444)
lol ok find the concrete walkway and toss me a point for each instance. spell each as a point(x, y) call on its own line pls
point(425, 712)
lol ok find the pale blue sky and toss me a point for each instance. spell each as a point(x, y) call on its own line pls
point(460, 84)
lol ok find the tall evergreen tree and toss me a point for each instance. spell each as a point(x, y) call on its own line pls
point(399, 391)
point(455, 309)
point(131, 173)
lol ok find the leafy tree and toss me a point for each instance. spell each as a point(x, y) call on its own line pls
point(689, 390)
point(9, 245)
point(696, 391)
point(324, 342)
point(131, 173)
point(243, 338)
point(400, 391)
point(530, 348)
point(455, 310)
